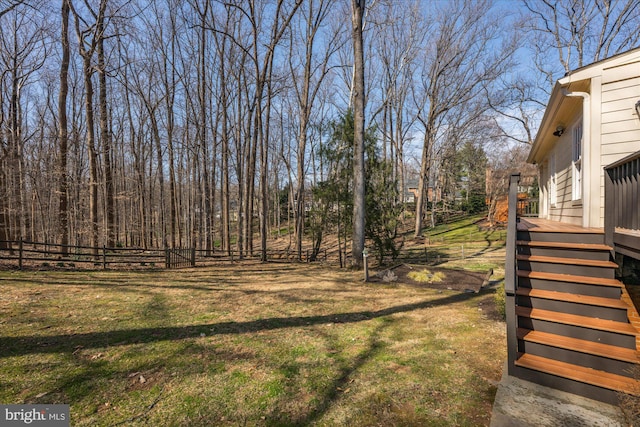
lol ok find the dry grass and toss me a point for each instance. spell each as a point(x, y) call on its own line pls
point(247, 344)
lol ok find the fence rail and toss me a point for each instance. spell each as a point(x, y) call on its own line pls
point(38, 254)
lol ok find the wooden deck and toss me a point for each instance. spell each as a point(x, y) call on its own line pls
point(545, 225)
point(625, 241)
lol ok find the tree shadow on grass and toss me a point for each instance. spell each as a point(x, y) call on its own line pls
point(339, 385)
point(22, 345)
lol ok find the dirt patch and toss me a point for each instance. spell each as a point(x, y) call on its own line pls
point(452, 279)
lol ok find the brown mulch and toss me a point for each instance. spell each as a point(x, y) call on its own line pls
point(457, 280)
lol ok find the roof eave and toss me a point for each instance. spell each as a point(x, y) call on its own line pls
point(547, 121)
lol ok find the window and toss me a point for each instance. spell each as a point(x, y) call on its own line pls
point(576, 163)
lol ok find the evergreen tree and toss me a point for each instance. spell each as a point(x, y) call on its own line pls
point(332, 206)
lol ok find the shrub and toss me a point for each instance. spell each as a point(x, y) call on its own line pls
point(426, 276)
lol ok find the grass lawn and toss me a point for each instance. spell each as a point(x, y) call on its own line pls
point(248, 344)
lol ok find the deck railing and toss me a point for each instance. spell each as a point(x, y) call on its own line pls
point(510, 278)
point(622, 205)
point(528, 207)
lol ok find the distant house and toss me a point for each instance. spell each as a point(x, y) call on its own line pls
point(411, 192)
point(571, 322)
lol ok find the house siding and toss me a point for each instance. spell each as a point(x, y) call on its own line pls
point(565, 209)
point(620, 130)
point(604, 94)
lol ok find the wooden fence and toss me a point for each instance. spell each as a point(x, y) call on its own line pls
point(180, 257)
point(69, 256)
point(48, 255)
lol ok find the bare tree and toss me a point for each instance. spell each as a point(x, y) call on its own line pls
point(7, 6)
point(105, 134)
point(63, 206)
point(358, 102)
point(200, 98)
point(462, 62)
point(306, 91)
point(581, 31)
point(223, 47)
point(23, 52)
point(88, 37)
point(399, 37)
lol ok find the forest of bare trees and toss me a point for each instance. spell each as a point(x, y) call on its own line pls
point(202, 123)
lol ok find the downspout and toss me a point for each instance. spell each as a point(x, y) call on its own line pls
point(586, 153)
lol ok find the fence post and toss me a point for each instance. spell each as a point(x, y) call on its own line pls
point(193, 257)
point(20, 255)
point(167, 261)
point(365, 259)
point(104, 257)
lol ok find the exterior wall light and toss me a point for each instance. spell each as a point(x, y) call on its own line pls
point(560, 130)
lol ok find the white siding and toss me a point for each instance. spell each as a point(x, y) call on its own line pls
point(620, 131)
point(620, 123)
point(565, 209)
point(611, 131)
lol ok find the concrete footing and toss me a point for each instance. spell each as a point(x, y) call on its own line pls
point(521, 403)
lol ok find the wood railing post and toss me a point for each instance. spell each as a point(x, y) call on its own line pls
point(609, 208)
point(510, 271)
point(510, 284)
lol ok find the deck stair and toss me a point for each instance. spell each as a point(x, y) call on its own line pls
point(573, 327)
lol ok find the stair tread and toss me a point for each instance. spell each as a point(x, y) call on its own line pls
point(549, 226)
point(577, 320)
point(579, 373)
point(561, 260)
point(582, 346)
point(575, 298)
point(586, 280)
point(564, 245)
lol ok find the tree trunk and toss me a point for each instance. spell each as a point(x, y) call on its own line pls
point(422, 184)
point(105, 135)
point(93, 157)
point(357, 244)
point(63, 203)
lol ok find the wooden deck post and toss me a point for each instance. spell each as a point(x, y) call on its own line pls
point(510, 284)
point(609, 208)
